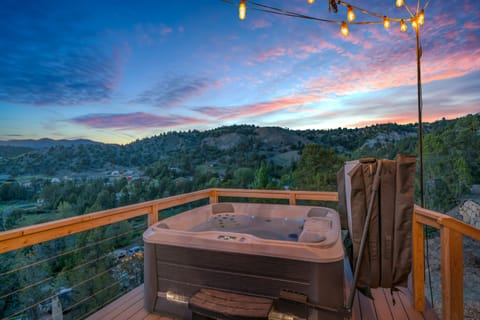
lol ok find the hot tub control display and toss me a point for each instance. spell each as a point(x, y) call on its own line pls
point(226, 237)
point(231, 238)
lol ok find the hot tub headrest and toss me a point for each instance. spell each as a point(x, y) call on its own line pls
point(317, 212)
point(222, 207)
point(317, 229)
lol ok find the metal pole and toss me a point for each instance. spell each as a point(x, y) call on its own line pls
point(420, 151)
point(420, 107)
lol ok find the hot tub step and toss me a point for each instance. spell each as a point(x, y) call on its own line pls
point(225, 305)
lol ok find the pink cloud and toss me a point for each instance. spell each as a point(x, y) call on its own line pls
point(309, 49)
point(396, 67)
point(402, 116)
point(271, 54)
point(471, 25)
point(256, 109)
point(260, 24)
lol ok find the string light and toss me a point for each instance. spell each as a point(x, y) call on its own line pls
point(414, 24)
point(386, 22)
point(242, 10)
point(350, 14)
point(403, 26)
point(417, 19)
point(421, 17)
point(344, 29)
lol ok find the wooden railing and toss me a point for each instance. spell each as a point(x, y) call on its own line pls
point(451, 248)
point(24, 237)
point(451, 232)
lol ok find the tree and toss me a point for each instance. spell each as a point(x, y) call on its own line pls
point(317, 168)
point(243, 177)
point(261, 177)
point(65, 208)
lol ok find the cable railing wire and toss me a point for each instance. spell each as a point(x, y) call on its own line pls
point(142, 227)
point(69, 252)
point(72, 287)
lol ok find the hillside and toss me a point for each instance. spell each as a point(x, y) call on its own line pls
point(451, 146)
point(44, 143)
point(245, 143)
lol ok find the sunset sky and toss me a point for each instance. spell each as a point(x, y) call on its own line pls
point(117, 71)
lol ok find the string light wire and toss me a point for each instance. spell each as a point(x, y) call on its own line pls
point(256, 6)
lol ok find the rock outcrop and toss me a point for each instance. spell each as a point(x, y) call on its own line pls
point(470, 212)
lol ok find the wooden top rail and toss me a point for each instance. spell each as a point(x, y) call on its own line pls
point(277, 194)
point(437, 220)
point(19, 238)
point(27, 236)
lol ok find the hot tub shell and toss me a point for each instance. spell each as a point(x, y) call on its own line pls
point(180, 262)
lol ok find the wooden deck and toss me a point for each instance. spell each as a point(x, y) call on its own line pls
point(383, 307)
point(128, 306)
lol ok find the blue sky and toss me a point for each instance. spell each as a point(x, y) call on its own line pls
point(117, 71)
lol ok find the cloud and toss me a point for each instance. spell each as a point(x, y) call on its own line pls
point(449, 98)
point(260, 24)
point(173, 91)
point(52, 60)
point(255, 109)
point(149, 34)
point(132, 121)
point(271, 53)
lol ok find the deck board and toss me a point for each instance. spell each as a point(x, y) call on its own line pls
point(367, 308)
point(130, 306)
point(381, 305)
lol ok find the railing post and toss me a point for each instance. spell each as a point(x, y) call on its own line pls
point(452, 273)
point(153, 215)
point(293, 199)
point(213, 196)
point(418, 273)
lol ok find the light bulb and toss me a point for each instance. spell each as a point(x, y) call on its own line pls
point(399, 3)
point(421, 17)
point(386, 23)
point(344, 29)
point(242, 10)
point(403, 26)
point(311, 1)
point(350, 14)
point(414, 24)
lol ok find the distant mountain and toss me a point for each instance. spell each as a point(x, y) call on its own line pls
point(44, 143)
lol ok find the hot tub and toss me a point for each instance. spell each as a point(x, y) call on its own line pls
point(253, 249)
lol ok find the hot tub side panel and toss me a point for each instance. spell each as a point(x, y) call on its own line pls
point(185, 271)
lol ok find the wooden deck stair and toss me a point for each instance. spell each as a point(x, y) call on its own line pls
point(130, 307)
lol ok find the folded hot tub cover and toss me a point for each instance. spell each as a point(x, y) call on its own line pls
point(387, 256)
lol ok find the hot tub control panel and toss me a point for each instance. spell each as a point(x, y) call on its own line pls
point(231, 238)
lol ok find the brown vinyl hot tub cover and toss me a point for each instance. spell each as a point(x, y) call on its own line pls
point(387, 257)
